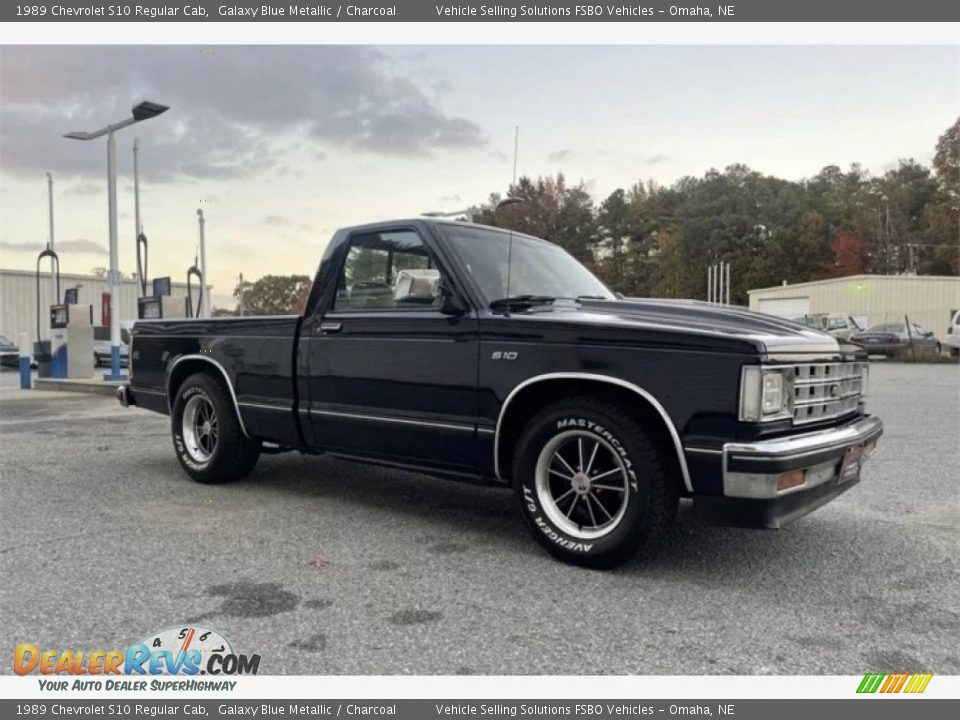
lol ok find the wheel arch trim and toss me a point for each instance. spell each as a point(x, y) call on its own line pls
point(593, 377)
point(223, 372)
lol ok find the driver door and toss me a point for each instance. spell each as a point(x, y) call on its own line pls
point(390, 375)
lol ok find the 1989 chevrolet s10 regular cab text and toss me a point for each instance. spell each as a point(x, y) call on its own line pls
point(472, 353)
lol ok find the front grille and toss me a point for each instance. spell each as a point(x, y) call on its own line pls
point(822, 391)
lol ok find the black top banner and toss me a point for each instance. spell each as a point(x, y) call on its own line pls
point(471, 11)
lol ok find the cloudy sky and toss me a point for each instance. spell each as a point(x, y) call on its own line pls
point(280, 145)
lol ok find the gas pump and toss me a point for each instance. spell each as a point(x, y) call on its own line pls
point(162, 304)
point(71, 340)
point(194, 271)
point(41, 348)
point(69, 351)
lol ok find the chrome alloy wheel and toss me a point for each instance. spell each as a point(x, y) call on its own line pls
point(200, 428)
point(582, 484)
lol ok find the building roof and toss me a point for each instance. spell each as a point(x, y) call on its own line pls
point(45, 273)
point(852, 278)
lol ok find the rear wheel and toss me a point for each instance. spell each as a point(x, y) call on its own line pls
point(207, 436)
point(592, 485)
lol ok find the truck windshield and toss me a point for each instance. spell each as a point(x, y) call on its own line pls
point(538, 269)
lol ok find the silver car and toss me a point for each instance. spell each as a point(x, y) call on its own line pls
point(893, 338)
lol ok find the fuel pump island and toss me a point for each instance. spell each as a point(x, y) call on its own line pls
point(68, 353)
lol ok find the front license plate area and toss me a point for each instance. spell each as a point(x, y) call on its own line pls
point(850, 466)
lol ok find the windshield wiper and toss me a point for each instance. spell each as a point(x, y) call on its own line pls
point(591, 297)
point(521, 301)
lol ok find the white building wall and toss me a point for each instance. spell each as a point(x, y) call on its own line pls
point(928, 300)
point(18, 300)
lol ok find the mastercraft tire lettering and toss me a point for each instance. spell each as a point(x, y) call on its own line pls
point(591, 483)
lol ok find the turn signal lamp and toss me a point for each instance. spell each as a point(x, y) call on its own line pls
point(792, 479)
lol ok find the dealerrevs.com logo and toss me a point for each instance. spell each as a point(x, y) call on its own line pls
point(189, 650)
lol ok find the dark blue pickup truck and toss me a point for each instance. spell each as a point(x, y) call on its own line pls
point(478, 354)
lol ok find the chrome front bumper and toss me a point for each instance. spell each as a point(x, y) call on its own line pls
point(753, 495)
point(800, 451)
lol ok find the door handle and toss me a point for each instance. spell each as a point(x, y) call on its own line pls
point(329, 328)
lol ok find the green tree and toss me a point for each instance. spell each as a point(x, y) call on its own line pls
point(272, 294)
point(660, 240)
point(941, 254)
point(550, 209)
point(946, 160)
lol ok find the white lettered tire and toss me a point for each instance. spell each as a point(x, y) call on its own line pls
point(207, 437)
point(592, 485)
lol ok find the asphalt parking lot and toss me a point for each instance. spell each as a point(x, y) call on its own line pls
point(324, 567)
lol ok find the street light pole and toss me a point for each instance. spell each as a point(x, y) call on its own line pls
point(143, 111)
point(136, 186)
point(141, 283)
point(113, 279)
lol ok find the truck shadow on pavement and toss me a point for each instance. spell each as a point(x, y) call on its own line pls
point(485, 520)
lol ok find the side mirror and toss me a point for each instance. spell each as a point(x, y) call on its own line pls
point(619, 296)
point(451, 302)
point(928, 333)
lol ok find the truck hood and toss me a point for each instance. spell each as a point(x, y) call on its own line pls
point(767, 333)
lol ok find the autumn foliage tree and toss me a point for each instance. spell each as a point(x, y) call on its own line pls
point(848, 255)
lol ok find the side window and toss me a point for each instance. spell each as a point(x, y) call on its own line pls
point(837, 323)
point(387, 270)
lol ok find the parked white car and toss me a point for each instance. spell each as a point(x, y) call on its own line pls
point(102, 346)
point(839, 326)
point(952, 340)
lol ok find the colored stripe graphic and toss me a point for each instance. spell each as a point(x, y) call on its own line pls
point(894, 683)
point(871, 682)
point(924, 682)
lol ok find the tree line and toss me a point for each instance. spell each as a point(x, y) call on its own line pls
point(650, 240)
point(655, 241)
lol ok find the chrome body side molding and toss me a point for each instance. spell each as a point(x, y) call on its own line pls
point(685, 472)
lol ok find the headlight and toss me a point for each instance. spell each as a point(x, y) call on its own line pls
point(766, 393)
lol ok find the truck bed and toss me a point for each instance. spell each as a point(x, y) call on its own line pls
point(256, 354)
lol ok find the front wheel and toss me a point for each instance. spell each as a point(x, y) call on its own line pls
point(592, 484)
point(207, 437)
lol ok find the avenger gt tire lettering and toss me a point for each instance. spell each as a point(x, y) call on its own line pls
point(592, 485)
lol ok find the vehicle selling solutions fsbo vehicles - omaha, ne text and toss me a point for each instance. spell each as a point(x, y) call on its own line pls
point(473, 353)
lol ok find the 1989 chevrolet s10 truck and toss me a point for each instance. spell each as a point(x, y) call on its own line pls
point(472, 353)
